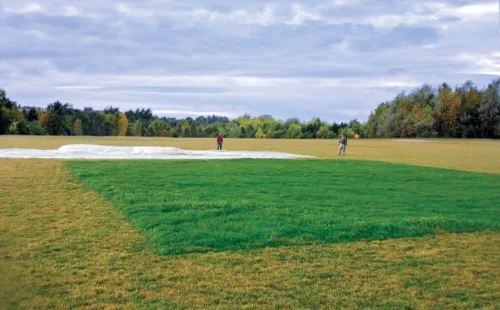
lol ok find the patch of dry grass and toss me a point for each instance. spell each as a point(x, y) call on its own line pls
point(468, 155)
point(68, 247)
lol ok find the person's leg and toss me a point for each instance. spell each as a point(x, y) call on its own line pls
point(221, 146)
point(343, 151)
point(340, 149)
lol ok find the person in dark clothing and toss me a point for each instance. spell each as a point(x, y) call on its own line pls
point(342, 144)
point(220, 139)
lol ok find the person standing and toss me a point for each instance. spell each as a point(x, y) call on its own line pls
point(342, 144)
point(220, 140)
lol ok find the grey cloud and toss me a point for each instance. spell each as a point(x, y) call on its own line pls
point(339, 60)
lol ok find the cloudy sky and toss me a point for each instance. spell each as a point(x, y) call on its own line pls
point(336, 59)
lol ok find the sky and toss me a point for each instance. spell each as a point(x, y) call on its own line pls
point(333, 59)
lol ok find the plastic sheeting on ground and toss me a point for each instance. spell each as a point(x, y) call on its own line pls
point(88, 151)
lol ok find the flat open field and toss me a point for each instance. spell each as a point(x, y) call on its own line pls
point(253, 233)
point(468, 155)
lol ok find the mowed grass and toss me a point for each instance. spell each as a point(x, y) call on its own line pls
point(200, 206)
point(460, 154)
point(65, 247)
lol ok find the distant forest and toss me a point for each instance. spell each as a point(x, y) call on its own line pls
point(426, 112)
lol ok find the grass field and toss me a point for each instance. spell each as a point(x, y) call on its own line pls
point(198, 206)
point(69, 238)
point(467, 155)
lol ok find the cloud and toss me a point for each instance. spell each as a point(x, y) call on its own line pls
point(336, 59)
point(184, 113)
point(133, 11)
point(25, 9)
point(302, 15)
point(477, 10)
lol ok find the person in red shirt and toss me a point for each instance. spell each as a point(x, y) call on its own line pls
point(220, 139)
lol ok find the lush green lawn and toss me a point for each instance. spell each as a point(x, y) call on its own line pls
point(199, 206)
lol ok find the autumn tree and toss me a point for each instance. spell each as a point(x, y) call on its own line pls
point(449, 110)
point(122, 125)
point(77, 128)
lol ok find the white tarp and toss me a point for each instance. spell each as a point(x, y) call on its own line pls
point(88, 151)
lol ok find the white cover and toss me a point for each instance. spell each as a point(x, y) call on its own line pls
point(88, 151)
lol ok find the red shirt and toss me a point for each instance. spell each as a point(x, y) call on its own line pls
point(220, 139)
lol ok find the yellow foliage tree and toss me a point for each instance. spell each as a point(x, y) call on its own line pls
point(417, 113)
point(411, 131)
point(451, 104)
point(44, 119)
point(122, 125)
point(473, 95)
point(77, 128)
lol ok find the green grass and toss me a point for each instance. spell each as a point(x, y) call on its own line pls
point(200, 206)
point(63, 246)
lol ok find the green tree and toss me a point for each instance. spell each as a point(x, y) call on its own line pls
point(9, 113)
point(260, 133)
point(322, 133)
point(186, 129)
point(489, 110)
point(158, 128)
point(194, 130)
point(56, 121)
point(137, 130)
point(294, 131)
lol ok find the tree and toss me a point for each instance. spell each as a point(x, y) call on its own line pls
point(294, 131)
point(250, 130)
point(194, 129)
point(9, 113)
point(111, 110)
point(30, 115)
point(56, 121)
point(94, 124)
point(243, 133)
point(186, 129)
point(122, 125)
point(489, 110)
point(77, 128)
point(137, 130)
point(449, 110)
point(260, 133)
point(322, 133)
point(312, 127)
point(465, 111)
point(235, 132)
point(277, 134)
point(115, 122)
point(158, 128)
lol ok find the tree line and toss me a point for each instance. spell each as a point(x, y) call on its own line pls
point(463, 112)
point(466, 111)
